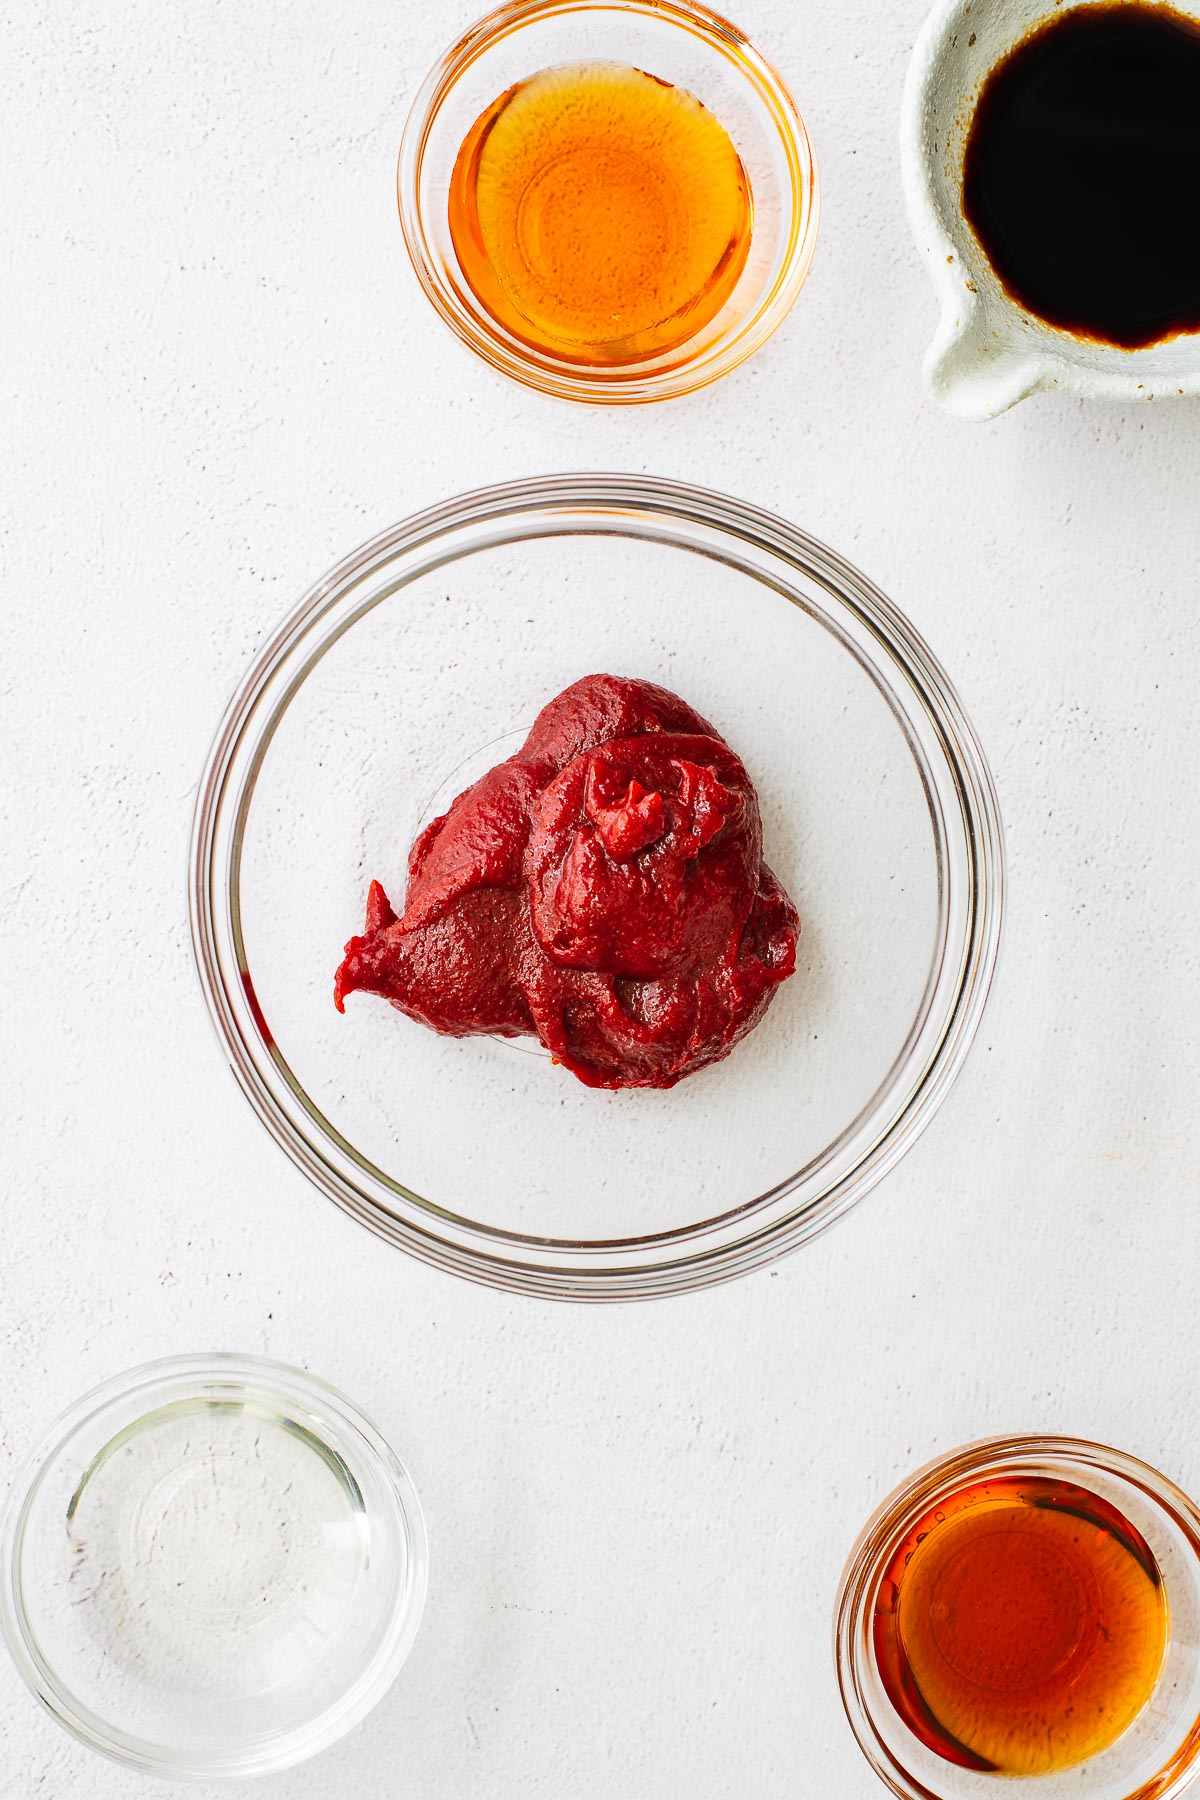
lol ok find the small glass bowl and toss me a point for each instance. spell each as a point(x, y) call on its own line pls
point(683, 44)
point(211, 1567)
point(1156, 1757)
point(440, 641)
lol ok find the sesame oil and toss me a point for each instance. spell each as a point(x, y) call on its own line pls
point(599, 214)
point(1020, 1626)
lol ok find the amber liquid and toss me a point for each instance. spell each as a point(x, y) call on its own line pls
point(599, 214)
point(1020, 1627)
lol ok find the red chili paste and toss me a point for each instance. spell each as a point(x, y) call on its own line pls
point(603, 890)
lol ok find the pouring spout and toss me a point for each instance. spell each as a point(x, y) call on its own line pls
point(975, 370)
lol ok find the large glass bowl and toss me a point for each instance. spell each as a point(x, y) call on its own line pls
point(676, 42)
point(421, 660)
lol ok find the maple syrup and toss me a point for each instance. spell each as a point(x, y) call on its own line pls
point(599, 214)
point(1020, 1626)
point(1082, 168)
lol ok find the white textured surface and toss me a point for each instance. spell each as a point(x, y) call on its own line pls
point(218, 377)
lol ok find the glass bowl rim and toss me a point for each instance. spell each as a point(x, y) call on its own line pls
point(1070, 1456)
point(570, 381)
point(138, 1387)
point(598, 1269)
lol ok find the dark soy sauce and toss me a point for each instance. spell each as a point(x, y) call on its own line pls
point(1082, 172)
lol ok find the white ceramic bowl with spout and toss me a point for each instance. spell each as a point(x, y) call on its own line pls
point(988, 351)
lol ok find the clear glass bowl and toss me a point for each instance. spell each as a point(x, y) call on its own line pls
point(683, 44)
point(440, 641)
point(1155, 1758)
point(211, 1566)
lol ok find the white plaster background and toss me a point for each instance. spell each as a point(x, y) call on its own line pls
point(218, 376)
